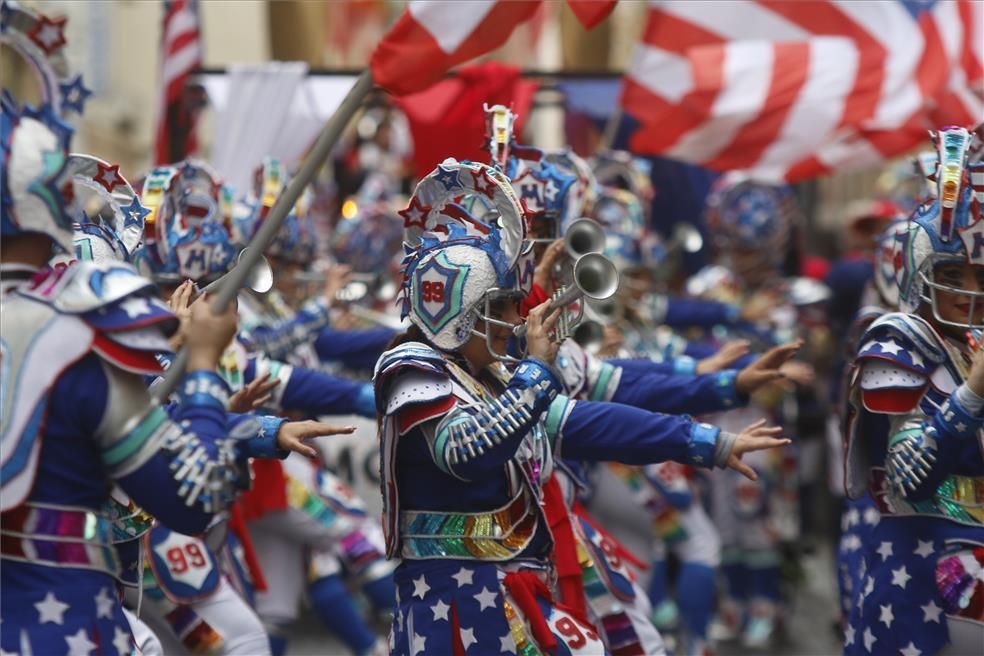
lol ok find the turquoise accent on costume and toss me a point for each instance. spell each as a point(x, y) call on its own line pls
point(703, 438)
point(684, 365)
point(725, 386)
point(601, 382)
point(556, 414)
point(135, 439)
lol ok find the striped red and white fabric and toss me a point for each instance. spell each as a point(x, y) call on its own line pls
point(794, 90)
point(181, 54)
point(432, 36)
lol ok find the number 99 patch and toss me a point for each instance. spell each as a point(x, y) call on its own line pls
point(438, 291)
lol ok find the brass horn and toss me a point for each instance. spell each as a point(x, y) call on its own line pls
point(259, 279)
point(582, 237)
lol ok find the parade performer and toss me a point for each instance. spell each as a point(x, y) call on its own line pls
point(914, 441)
point(465, 452)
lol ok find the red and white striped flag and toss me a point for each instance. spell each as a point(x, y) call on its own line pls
point(181, 54)
point(793, 90)
point(434, 35)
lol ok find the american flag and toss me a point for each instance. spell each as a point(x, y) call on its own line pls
point(181, 54)
point(792, 90)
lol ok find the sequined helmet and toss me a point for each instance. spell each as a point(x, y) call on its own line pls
point(585, 190)
point(458, 265)
point(185, 237)
point(619, 169)
point(946, 229)
point(296, 241)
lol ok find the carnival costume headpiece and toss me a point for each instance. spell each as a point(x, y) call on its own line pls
point(456, 264)
point(947, 229)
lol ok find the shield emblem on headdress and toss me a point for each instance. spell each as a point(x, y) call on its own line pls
point(438, 291)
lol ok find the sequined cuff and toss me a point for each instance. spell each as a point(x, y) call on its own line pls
point(262, 443)
point(684, 365)
point(702, 444)
point(560, 410)
point(954, 418)
point(540, 377)
point(203, 388)
point(724, 385)
point(319, 312)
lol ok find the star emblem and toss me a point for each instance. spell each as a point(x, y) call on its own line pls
point(886, 617)
point(483, 184)
point(961, 427)
point(135, 307)
point(418, 645)
point(50, 609)
point(900, 577)
point(467, 638)
point(917, 360)
point(121, 641)
point(849, 636)
point(891, 346)
point(884, 550)
point(910, 650)
point(440, 610)
point(415, 215)
point(447, 177)
point(74, 94)
point(931, 612)
point(852, 517)
point(464, 577)
point(108, 176)
point(420, 587)
point(48, 34)
point(135, 212)
point(506, 644)
point(869, 639)
point(925, 549)
point(871, 516)
point(104, 604)
point(486, 599)
point(79, 643)
point(869, 587)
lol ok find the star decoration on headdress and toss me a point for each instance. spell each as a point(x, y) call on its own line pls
point(48, 34)
point(135, 212)
point(447, 177)
point(483, 183)
point(188, 170)
point(74, 94)
point(108, 176)
point(415, 215)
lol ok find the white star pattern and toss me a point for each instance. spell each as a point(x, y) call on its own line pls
point(931, 612)
point(134, 307)
point(887, 616)
point(464, 577)
point(121, 640)
point(486, 599)
point(420, 587)
point(506, 644)
point(418, 645)
point(871, 516)
point(849, 636)
point(891, 346)
point(51, 610)
point(924, 549)
point(104, 604)
point(852, 517)
point(910, 650)
point(870, 587)
point(49, 35)
point(440, 610)
point(79, 644)
point(961, 427)
point(885, 550)
point(467, 638)
point(869, 639)
point(917, 360)
point(900, 577)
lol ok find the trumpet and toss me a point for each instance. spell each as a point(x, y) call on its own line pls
point(594, 277)
point(584, 236)
point(260, 278)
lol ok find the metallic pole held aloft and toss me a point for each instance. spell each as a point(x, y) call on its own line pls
point(271, 225)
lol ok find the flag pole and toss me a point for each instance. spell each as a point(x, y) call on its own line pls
point(329, 136)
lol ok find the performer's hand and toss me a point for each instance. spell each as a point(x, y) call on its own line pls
point(180, 304)
point(540, 341)
point(254, 395)
point(209, 333)
point(724, 358)
point(766, 368)
point(801, 373)
point(336, 278)
point(292, 435)
point(543, 274)
point(975, 378)
point(756, 437)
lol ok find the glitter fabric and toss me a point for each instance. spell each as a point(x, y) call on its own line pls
point(524, 646)
point(497, 535)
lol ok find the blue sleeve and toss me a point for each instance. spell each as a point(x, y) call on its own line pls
point(587, 430)
point(278, 340)
point(687, 312)
point(354, 349)
point(655, 391)
point(643, 364)
point(317, 393)
point(258, 435)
